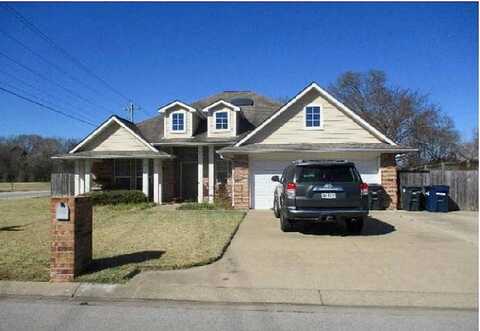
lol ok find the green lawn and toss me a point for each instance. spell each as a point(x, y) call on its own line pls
point(25, 186)
point(126, 239)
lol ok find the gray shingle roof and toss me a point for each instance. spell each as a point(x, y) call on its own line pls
point(152, 129)
point(339, 147)
point(113, 155)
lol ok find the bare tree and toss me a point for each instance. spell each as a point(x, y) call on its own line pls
point(404, 115)
point(28, 157)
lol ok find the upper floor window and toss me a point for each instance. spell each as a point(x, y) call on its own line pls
point(221, 120)
point(312, 117)
point(178, 122)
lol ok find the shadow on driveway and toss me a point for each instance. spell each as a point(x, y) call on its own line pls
point(372, 227)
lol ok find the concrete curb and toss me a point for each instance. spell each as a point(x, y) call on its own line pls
point(321, 297)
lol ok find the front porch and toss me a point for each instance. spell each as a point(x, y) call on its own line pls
point(187, 174)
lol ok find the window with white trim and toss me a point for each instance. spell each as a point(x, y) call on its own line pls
point(312, 117)
point(221, 120)
point(178, 122)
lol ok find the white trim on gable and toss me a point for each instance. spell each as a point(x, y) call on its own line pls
point(103, 126)
point(331, 99)
point(176, 103)
point(221, 102)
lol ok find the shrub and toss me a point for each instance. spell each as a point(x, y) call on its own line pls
point(116, 197)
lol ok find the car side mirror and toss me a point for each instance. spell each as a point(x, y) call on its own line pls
point(275, 179)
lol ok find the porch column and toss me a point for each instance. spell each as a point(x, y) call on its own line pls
point(200, 174)
point(157, 181)
point(145, 177)
point(88, 177)
point(82, 176)
point(211, 173)
point(76, 178)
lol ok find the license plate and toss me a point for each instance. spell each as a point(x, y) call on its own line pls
point(328, 195)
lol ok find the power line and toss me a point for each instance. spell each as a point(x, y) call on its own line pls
point(33, 28)
point(73, 78)
point(45, 106)
point(40, 99)
point(51, 81)
point(79, 112)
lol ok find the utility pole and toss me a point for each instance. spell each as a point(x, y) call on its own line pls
point(130, 109)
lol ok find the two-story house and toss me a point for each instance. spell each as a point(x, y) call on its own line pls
point(231, 144)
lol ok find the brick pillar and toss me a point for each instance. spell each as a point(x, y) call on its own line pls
point(388, 170)
point(71, 249)
point(241, 189)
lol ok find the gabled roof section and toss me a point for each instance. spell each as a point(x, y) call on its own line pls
point(176, 103)
point(328, 97)
point(129, 126)
point(221, 102)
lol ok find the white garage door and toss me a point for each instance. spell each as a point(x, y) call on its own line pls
point(262, 187)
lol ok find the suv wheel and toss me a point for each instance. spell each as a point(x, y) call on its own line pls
point(355, 225)
point(285, 224)
point(275, 208)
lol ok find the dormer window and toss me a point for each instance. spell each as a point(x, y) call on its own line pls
point(313, 117)
point(178, 122)
point(221, 120)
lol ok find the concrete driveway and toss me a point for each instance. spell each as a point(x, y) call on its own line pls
point(398, 252)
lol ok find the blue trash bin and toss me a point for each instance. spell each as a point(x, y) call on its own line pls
point(436, 198)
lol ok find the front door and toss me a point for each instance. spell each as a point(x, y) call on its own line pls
point(189, 181)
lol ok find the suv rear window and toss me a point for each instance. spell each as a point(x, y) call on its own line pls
point(316, 173)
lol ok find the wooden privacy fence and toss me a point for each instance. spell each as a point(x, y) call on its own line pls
point(463, 184)
point(62, 184)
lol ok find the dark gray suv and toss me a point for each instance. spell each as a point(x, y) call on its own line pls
point(321, 191)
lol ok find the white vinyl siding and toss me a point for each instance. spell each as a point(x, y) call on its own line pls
point(232, 122)
point(336, 126)
point(189, 121)
point(115, 138)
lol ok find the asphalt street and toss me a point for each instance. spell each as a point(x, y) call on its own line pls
point(43, 314)
point(23, 195)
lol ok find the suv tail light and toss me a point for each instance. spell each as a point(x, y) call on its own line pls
point(364, 189)
point(291, 187)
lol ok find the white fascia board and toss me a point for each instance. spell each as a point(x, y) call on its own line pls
point(176, 103)
point(330, 98)
point(103, 126)
point(221, 102)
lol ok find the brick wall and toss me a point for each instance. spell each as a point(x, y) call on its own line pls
point(241, 187)
point(388, 172)
point(71, 247)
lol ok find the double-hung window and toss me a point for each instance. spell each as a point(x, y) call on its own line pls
point(312, 117)
point(221, 120)
point(178, 122)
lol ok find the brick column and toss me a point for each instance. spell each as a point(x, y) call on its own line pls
point(241, 189)
point(388, 170)
point(71, 249)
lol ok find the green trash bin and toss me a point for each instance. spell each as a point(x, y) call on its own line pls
point(376, 197)
point(412, 198)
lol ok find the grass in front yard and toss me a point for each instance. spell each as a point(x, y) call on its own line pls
point(24, 186)
point(126, 239)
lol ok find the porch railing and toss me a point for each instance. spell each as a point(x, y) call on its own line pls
point(62, 184)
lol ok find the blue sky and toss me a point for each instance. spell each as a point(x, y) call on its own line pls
point(154, 53)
